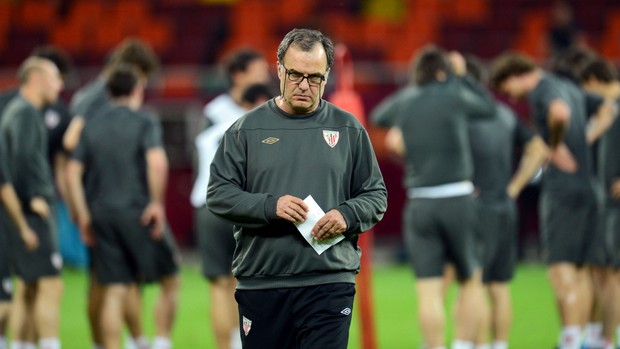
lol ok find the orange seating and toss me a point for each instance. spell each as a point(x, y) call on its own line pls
point(36, 15)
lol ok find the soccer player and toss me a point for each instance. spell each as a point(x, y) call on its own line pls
point(569, 205)
point(244, 68)
point(86, 104)
point(492, 143)
point(34, 256)
point(120, 211)
point(430, 133)
point(599, 77)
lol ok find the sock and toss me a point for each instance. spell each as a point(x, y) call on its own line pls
point(30, 345)
point(49, 343)
point(570, 338)
point(3, 343)
point(141, 342)
point(500, 345)
point(162, 343)
point(17, 345)
point(97, 346)
point(235, 339)
point(461, 344)
point(483, 346)
point(593, 334)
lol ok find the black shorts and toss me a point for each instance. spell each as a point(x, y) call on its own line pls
point(124, 251)
point(301, 318)
point(216, 242)
point(167, 256)
point(612, 227)
point(45, 261)
point(496, 228)
point(6, 284)
point(441, 231)
point(572, 229)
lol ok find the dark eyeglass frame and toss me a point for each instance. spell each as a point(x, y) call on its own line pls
point(297, 77)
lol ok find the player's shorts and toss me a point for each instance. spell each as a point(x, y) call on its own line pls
point(612, 226)
point(441, 231)
point(572, 229)
point(167, 256)
point(496, 228)
point(301, 317)
point(216, 242)
point(6, 284)
point(124, 252)
point(45, 261)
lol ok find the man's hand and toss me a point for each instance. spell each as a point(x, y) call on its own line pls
point(563, 159)
point(615, 189)
point(291, 208)
point(86, 231)
point(459, 67)
point(329, 226)
point(154, 215)
point(30, 238)
point(39, 206)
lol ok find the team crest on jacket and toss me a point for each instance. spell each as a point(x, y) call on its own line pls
point(247, 325)
point(331, 137)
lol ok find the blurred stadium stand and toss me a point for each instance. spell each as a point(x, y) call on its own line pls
point(191, 36)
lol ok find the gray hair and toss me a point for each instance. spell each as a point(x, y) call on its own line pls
point(305, 39)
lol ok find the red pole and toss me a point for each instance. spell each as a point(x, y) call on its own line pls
point(346, 98)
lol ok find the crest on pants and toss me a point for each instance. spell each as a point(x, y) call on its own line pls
point(247, 325)
point(331, 137)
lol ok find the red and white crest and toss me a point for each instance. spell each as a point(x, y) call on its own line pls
point(247, 325)
point(331, 137)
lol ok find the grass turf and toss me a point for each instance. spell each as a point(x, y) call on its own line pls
point(535, 321)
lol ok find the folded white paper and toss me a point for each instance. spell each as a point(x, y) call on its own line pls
point(314, 214)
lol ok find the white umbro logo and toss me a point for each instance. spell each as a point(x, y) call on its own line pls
point(270, 140)
point(345, 311)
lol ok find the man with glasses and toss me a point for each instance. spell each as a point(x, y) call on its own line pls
point(289, 148)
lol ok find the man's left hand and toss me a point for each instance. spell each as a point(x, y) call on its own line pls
point(329, 226)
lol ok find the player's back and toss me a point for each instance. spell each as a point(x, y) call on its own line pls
point(113, 148)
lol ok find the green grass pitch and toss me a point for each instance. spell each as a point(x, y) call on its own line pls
point(535, 322)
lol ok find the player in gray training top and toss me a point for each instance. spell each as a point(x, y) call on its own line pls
point(570, 202)
point(493, 149)
point(294, 146)
point(116, 207)
point(600, 78)
point(431, 134)
point(35, 260)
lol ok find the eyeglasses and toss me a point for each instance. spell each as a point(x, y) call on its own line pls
point(297, 77)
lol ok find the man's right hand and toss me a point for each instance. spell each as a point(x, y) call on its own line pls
point(563, 159)
point(291, 208)
point(30, 238)
point(39, 206)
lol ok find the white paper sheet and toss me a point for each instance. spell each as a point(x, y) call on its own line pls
point(314, 214)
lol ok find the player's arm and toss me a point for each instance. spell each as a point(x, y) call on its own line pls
point(71, 137)
point(77, 196)
point(157, 178)
point(60, 164)
point(534, 155)
point(13, 207)
point(394, 142)
point(558, 117)
point(601, 121)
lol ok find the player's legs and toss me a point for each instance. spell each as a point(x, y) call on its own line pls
point(467, 314)
point(165, 309)
point(565, 281)
point(132, 315)
point(47, 309)
point(431, 310)
point(501, 314)
point(483, 334)
point(94, 304)
point(224, 317)
point(217, 246)
point(113, 313)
